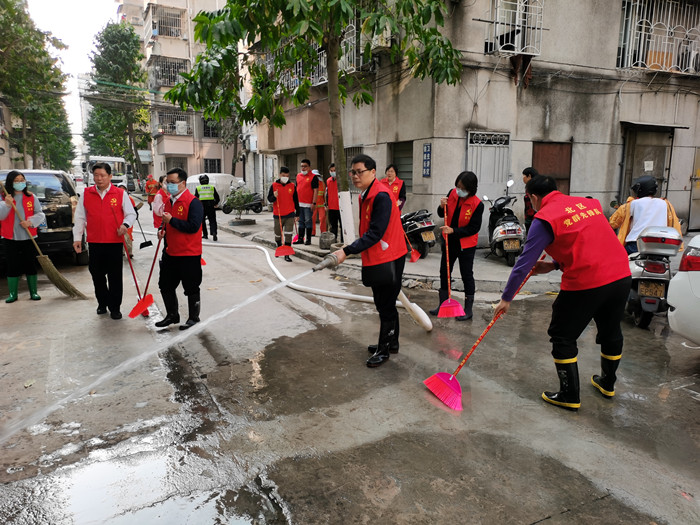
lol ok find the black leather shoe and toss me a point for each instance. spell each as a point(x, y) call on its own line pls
point(377, 359)
point(116, 315)
point(308, 242)
point(188, 324)
point(287, 258)
point(299, 241)
point(215, 238)
point(168, 320)
point(393, 348)
point(205, 237)
point(101, 310)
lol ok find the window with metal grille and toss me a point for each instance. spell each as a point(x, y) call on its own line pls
point(210, 129)
point(660, 35)
point(402, 156)
point(165, 71)
point(212, 165)
point(488, 155)
point(175, 162)
point(173, 123)
point(167, 21)
point(514, 27)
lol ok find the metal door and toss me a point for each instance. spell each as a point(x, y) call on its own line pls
point(553, 159)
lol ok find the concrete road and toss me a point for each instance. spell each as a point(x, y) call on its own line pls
point(266, 413)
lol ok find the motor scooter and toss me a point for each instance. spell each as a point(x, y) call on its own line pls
point(506, 234)
point(419, 228)
point(651, 273)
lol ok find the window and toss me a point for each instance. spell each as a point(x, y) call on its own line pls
point(488, 155)
point(514, 27)
point(402, 156)
point(172, 123)
point(165, 71)
point(175, 162)
point(212, 165)
point(660, 35)
point(167, 22)
point(210, 129)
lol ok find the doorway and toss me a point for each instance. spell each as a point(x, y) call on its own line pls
point(553, 159)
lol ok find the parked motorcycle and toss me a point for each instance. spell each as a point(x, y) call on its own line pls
point(255, 205)
point(419, 227)
point(651, 273)
point(506, 235)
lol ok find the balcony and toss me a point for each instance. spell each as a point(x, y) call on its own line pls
point(514, 27)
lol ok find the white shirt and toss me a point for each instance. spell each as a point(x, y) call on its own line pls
point(80, 220)
point(647, 211)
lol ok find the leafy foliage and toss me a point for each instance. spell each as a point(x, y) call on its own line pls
point(238, 199)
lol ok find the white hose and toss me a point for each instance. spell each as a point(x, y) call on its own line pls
point(416, 312)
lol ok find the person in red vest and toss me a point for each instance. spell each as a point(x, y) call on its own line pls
point(333, 203)
point(159, 203)
point(462, 225)
point(595, 283)
point(319, 213)
point(383, 250)
point(307, 185)
point(396, 185)
point(106, 213)
point(285, 208)
point(182, 256)
point(17, 241)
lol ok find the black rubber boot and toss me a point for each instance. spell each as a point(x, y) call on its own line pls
point(605, 383)
point(193, 317)
point(568, 395)
point(468, 305)
point(381, 355)
point(393, 344)
point(308, 236)
point(171, 310)
point(443, 295)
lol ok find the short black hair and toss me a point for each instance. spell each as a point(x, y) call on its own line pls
point(368, 161)
point(10, 181)
point(541, 185)
point(181, 174)
point(284, 169)
point(161, 178)
point(469, 181)
point(102, 165)
point(305, 161)
point(396, 169)
point(331, 165)
point(530, 172)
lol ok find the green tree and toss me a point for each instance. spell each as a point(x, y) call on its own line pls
point(295, 30)
point(119, 118)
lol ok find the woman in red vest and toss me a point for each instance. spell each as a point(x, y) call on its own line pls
point(19, 248)
point(462, 225)
point(383, 250)
point(396, 185)
point(159, 203)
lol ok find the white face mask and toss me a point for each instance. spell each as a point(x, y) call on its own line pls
point(333, 174)
point(304, 172)
point(284, 180)
point(461, 193)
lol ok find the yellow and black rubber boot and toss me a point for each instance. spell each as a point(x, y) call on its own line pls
point(568, 395)
point(605, 383)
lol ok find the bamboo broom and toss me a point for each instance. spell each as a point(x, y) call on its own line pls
point(50, 270)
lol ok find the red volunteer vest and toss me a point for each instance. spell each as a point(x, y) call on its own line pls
point(7, 228)
point(394, 187)
point(466, 210)
point(321, 199)
point(284, 205)
point(305, 192)
point(332, 191)
point(392, 245)
point(181, 243)
point(104, 215)
point(585, 246)
point(157, 219)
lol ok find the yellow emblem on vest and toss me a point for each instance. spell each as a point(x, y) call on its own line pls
point(113, 202)
point(180, 209)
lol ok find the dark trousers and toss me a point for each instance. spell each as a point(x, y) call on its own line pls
point(287, 226)
point(105, 267)
point(305, 218)
point(335, 223)
point(385, 295)
point(209, 213)
point(466, 266)
point(21, 257)
point(186, 269)
point(573, 310)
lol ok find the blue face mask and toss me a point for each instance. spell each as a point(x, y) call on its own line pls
point(19, 186)
point(462, 194)
point(172, 188)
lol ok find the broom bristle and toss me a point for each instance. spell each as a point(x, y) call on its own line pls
point(450, 308)
point(57, 279)
point(446, 390)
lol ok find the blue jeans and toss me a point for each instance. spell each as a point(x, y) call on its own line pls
point(305, 218)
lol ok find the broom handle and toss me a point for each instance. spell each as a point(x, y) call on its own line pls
point(447, 260)
point(126, 251)
point(409, 242)
point(486, 330)
point(145, 291)
point(18, 215)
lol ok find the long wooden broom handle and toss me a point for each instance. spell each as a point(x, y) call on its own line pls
point(126, 251)
point(145, 291)
point(486, 330)
point(14, 207)
point(447, 259)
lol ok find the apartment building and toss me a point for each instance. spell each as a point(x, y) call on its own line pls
point(181, 139)
point(595, 94)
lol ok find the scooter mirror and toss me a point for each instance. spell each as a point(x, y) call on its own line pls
point(485, 198)
point(510, 183)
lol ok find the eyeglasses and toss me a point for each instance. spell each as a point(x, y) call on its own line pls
point(357, 173)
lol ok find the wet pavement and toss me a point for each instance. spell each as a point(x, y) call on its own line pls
point(266, 412)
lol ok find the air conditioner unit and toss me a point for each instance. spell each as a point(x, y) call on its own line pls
point(180, 127)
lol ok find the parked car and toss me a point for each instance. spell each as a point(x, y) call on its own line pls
point(221, 181)
point(684, 294)
point(119, 178)
point(58, 197)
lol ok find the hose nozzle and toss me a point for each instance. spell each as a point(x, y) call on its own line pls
point(329, 261)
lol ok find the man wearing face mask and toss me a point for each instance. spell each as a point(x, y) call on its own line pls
point(285, 208)
point(182, 256)
point(307, 186)
point(333, 203)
